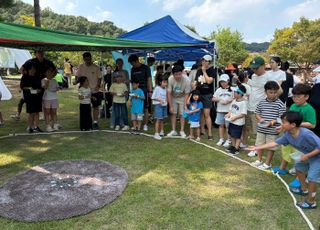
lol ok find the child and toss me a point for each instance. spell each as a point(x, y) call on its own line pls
point(159, 100)
point(50, 99)
point(268, 111)
point(1, 118)
point(224, 97)
point(136, 99)
point(85, 104)
point(119, 91)
point(194, 113)
point(236, 115)
point(306, 142)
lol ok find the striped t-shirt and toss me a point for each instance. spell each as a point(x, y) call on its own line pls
point(270, 110)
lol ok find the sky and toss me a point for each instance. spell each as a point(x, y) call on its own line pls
point(256, 20)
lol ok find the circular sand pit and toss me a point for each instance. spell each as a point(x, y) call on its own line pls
point(61, 189)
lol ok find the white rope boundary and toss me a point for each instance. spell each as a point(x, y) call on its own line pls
point(310, 225)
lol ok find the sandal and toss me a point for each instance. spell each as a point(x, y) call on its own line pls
point(307, 205)
point(299, 191)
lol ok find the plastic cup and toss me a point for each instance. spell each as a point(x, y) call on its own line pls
point(296, 156)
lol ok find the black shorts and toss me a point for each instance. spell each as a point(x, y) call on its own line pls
point(146, 100)
point(235, 131)
point(206, 100)
point(97, 101)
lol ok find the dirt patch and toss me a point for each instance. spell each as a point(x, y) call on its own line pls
point(61, 189)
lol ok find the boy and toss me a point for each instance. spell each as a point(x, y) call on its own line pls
point(306, 142)
point(268, 111)
point(236, 116)
point(136, 100)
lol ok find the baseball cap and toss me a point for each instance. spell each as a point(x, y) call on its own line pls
point(257, 62)
point(224, 77)
point(207, 57)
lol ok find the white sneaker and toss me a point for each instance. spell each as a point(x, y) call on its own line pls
point(264, 166)
point(157, 136)
point(257, 163)
point(56, 127)
point(292, 171)
point(227, 143)
point(252, 154)
point(183, 134)
point(125, 128)
point(49, 129)
point(242, 146)
point(117, 128)
point(145, 128)
point(161, 133)
point(172, 133)
point(220, 142)
point(198, 139)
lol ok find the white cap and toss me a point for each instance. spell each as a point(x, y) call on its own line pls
point(224, 77)
point(207, 57)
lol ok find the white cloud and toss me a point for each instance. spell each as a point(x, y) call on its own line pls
point(309, 9)
point(61, 6)
point(172, 5)
point(100, 15)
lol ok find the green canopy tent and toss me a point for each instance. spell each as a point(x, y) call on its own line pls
point(33, 38)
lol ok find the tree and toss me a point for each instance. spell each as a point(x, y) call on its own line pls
point(230, 46)
point(7, 3)
point(37, 13)
point(299, 43)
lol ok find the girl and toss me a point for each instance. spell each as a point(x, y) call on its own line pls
point(224, 97)
point(159, 100)
point(50, 99)
point(194, 113)
point(85, 104)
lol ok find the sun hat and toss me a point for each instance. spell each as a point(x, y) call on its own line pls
point(230, 67)
point(224, 77)
point(207, 57)
point(257, 62)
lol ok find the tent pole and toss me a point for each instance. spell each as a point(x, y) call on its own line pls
point(104, 89)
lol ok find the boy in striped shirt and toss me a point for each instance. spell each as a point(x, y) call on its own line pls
point(268, 111)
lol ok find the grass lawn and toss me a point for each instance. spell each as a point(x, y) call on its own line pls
point(173, 183)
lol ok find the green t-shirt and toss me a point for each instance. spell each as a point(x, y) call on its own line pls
point(307, 111)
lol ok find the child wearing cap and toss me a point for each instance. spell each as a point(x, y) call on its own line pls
point(223, 96)
point(236, 116)
point(268, 112)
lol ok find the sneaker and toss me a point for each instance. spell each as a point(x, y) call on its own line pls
point(210, 138)
point(220, 142)
point(234, 151)
point(111, 127)
point(307, 205)
point(37, 129)
point(95, 126)
point(183, 134)
point(295, 184)
point(230, 148)
point(117, 128)
point(279, 171)
point(264, 166)
point(157, 136)
point(56, 127)
point(292, 171)
point(252, 154)
point(145, 128)
point(30, 130)
point(227, 143)
point(161, 133)
point(257, 163)
point(198, 139)
point(243, 146)
point(49, 129)
point(172, 133)
point(125, 128)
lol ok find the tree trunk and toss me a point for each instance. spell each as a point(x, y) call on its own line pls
point(36, 6)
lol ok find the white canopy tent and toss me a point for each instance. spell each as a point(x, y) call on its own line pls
point(11, 58)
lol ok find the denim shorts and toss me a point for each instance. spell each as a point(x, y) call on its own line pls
point(160, 112)
point(310, 167)
point(220, 119)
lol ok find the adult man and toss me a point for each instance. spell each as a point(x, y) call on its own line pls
point(94, 75)
point(178, 92)
point(67, 72)
point(143, 74)
point(204, 83)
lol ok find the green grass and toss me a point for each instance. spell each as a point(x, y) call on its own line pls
point(173, 183)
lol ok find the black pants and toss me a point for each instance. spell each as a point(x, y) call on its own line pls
point(85, 117)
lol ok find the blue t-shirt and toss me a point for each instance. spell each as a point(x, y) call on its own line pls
point(137, 103)
point(195, 117)
point(305, 142)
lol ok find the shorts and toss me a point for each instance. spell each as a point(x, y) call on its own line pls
point(206, 100)
point(251, 122)
point(286, 151)
point(263, 138)
point(177, 106)
point(146, 100)
point(194, 124)
point(136, 117)
point(50, 104)
point(160, 112)
point(235, 131)
point(98, 98)
point(33, 103)
point(310, 167)
point(220, 119)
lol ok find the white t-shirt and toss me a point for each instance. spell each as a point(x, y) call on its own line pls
point(257, 90)
point(278, 76)
point(159, 93)
point(51, 92)
point(86, 93)
point(223, 95)
point(236, 108)
point(248, 91)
